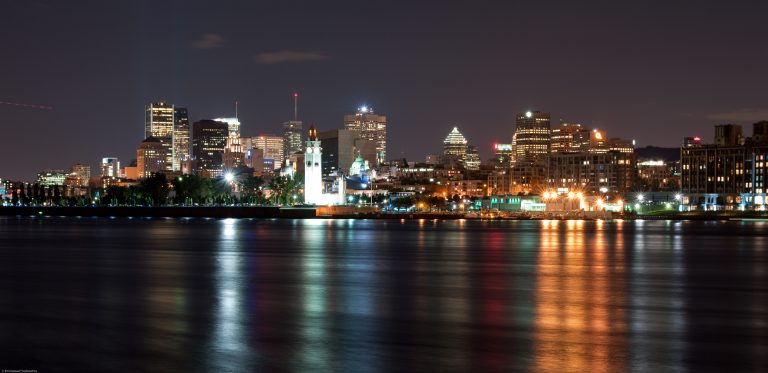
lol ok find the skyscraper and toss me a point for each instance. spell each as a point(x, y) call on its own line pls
point(209, 138)
point(272, 146)
point(233, 125)
point(341, 147)
point(292, 134)
point(180, 137)
point(569, 138)
point(532, 136)
point(371, 127)
point(455, 145)
point(159, 123)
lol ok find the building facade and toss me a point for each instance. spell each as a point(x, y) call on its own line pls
point(151, 157)
point(371, 127)
point(592, 173)
point(293, 131)
point(341, 147)
point(271, 145)
point(159, 123)
point(209, 138)
point(180, 137)
point(313, 169)
point(532, 136)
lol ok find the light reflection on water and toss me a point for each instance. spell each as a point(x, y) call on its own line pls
point(372, 295)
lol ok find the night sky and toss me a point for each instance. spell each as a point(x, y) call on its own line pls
point(651, 71)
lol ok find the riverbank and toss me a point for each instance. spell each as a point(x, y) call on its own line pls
point(164, 212)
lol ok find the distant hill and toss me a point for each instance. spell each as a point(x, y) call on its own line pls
point(654, 152)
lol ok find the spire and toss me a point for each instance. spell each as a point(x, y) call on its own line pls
point(295, 106)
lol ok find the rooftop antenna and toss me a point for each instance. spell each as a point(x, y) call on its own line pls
point(236, 110)
point(295, 106)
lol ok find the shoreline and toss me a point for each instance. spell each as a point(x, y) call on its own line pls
point(268, 212)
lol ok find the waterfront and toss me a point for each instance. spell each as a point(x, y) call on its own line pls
point(382, 295)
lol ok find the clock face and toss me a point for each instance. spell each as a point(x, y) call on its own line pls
point(309, 150)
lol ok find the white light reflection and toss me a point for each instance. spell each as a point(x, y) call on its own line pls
point(229, 345)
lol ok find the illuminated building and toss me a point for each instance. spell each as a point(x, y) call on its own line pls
point(110, 167)
point(313, 175)
point(532, 136)
point(471, 159)
point(313, 170)
point(569, 138)
point(209, 138)
point(455, 144)
point(159, 123)
point(341, 147)
point(180, 137)
point(505, 156)
point(292, 136)
point(434, 159)
point(692, 141)
point(730, 174)
point(254, 158)
point(78, 176)
point(272, 146)
point(234, 155)
point(371, 127)
point(52, 177)
point(658, 175)
point(592, 173)
point(151, 157)
point(233, 126)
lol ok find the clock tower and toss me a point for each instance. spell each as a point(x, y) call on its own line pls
point(313, 170)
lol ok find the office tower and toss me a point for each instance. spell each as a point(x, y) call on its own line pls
point(292, 132)
point(371, 127)
point(254, 158)
point(455, 145)
point(151, 157)
point(209, 138)
point(505, 156)
point(180, 137)
point(110, 167)
point(313, 169)
point(292, 136)
point(272, 145)
point(569, 138)
point(159, 123)
point(532, 136)
point(341, 147)
point(233, 125)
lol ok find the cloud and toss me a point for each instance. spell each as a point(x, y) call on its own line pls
point(741, 115)
point(270, 58)
point(209, 41)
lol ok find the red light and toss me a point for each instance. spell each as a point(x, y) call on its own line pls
point(697, 138)
point(295, 94)
point(495, 146)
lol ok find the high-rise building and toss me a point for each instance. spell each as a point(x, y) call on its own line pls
point(110, 167)
point(180, 137)
point(159, 123)
point(455, 144)
point(371, 127)
point(590, 173)
point(151, 157)
point(532, 136)
point(313, 169)
point(341, 147)
point(569, 138)
point(292, 135)
point(272, 145)
point(233, 125)
point(209, 138)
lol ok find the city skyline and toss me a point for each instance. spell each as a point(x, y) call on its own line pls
point(649, 79)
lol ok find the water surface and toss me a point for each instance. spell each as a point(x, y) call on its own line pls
point(169, 295)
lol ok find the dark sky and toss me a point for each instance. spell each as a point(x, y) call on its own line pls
point(654, 71)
